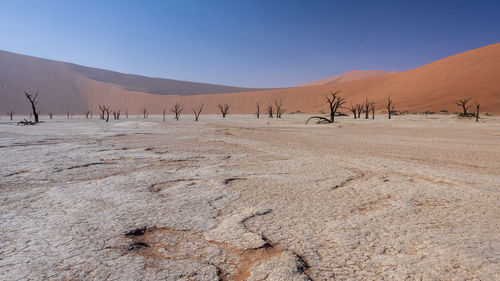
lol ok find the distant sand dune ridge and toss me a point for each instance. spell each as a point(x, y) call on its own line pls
point(432, 87)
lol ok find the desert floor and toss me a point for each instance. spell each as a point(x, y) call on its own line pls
point(415, 197)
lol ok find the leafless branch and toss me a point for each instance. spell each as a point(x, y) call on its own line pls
point(279, 109)
point(116, 114)
point(354, 110)
point(104, 112)
point(33, 102)
point(224, 109)
point(176, 109)
point(270, 111)
point(477, 111)
point(197, 112)
point(463, 102)
point(390, 107)
point(335, 102)
point(372, 109)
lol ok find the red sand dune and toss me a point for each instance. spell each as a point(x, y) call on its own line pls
point(432, 87)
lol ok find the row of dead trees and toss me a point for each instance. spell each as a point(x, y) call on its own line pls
point(334, 100)
point(464, 104)
point(367, 107)
point(271, 110)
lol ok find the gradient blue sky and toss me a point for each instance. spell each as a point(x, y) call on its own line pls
point(247, 43)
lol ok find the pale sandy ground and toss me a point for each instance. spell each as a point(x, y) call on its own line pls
point(413, 198)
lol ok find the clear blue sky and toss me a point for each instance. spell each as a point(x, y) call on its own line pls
point(247, 43)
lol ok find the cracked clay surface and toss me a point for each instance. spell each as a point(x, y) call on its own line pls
point(240, 198)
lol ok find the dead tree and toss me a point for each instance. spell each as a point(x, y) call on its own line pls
point(354, 110)
point(33, 102)
point(26, 122)
point(224, 109)
point(335, 102)
point(390, 106)
point(144, 112)
point(463, 102)
point(367, 108)
point(67, 114)
point(197, 112)
point(279, 109)
point(258, 110)
point(10, 114)
point(104, 112)
point(359, 109)
point(86, 114)
point(50, 115)
point(177, 109)
point(477, 111)
point(372, 109)
point(126, 113)
point(164, 112)
point(116, 115)
point(270, 111)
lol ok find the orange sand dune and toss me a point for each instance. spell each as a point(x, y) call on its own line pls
point(432, 87)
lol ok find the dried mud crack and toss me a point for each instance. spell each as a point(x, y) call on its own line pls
point(157, 243)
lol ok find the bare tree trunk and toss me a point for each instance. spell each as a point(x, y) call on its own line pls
point(126, 113)
point(50, 115)
point(270, 111)
point(279, 109)
point(335, 102)
point(163, 115)
point(177, 109)
point(33, 102)
point(367, 106)
point(372, 109)
point(116, 115)
point(359, 108)
point(463, 102)
point(477, 111)
point(353, 110)
point(224, 109)
point(197, 112)
point(258, 111)
point(390, 106)
point(104, 112)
